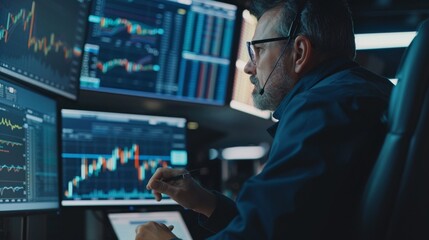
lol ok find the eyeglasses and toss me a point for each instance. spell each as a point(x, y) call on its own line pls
point(251, 48)
point(292, 30)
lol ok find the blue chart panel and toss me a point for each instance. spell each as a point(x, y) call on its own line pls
point(38, 50)
point(12, 154)
point(108, 156)
point(128, 43)
point(177, 50)
point(28, 150)
point(207, 51)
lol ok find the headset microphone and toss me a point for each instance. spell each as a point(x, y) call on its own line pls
point(275, 65)
point(263, 88)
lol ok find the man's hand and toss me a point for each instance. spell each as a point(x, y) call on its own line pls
point(154, 231)
point(186, 191)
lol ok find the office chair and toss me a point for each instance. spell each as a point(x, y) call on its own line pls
point(395, 204)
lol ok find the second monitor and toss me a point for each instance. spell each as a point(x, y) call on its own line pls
point(108, 158)
point(177, 50)
point(28, 150)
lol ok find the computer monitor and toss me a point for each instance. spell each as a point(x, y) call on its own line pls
point(41, 42)
point(28, 150)
point(108, 157)
point(242, 87)
point(176, 50)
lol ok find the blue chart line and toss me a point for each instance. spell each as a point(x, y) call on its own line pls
point(139, 31)
point(14, 189)
point(10, 143)
point(12, 168)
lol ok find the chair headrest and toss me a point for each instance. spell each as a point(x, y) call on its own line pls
point(413, 78)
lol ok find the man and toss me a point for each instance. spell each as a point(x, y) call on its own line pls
point(327, 138)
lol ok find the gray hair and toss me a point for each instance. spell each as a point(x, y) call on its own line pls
point(327, 23)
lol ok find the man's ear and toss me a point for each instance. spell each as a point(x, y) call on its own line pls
point(303, 53)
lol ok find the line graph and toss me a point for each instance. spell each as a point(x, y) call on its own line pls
point(112, 26)
point(129, 66)
point(14, 173)
point(46, 46)
point(131, 33)
point(127, 22)
point(12, 161)
point(7, 122)
point(42, 44)
point(13, 19)
point(12, 135)
point(14, 168)
point(10, 143)
point(12, 132)
point(124, 68)
point(12, 192)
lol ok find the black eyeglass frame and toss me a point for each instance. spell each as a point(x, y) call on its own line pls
point(292, 30)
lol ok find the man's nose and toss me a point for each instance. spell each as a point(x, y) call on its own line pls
point(250, 68)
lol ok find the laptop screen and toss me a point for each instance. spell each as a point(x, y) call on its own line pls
point(125, 224)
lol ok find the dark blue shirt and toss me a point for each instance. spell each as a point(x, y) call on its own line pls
point(328, 135)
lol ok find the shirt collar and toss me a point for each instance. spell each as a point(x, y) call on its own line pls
point(312, 78)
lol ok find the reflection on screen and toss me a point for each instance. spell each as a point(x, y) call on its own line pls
point(41, 42)
point(108, 158)
point(178, 50)
point(28, 150)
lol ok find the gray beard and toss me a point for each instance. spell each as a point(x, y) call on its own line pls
point(271, 97)
point(264, 101)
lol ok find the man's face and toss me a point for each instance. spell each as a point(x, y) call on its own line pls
point(266, 55)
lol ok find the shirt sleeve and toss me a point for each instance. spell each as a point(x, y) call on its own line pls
point(224, 212)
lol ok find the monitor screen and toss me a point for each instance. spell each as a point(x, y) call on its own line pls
point(175, 50)
point(41, 42)
point(108, 158)
point(28, 150)
point(124, 224)
point(242, 89)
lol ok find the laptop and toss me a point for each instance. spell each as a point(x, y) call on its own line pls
point(125, 224)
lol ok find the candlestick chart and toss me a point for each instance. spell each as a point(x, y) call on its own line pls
point(124, 173)
point(114, 160)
